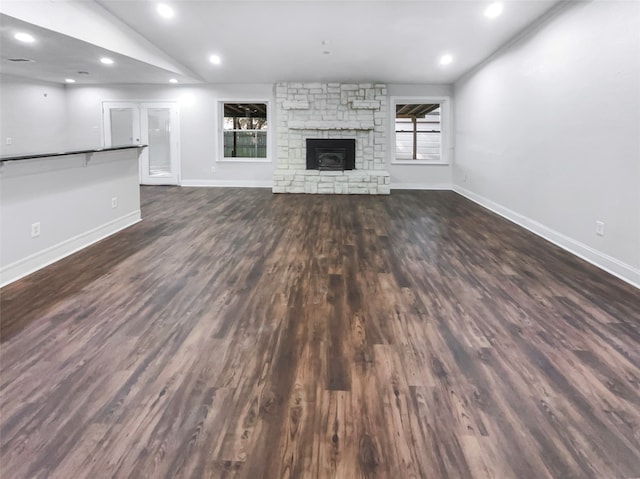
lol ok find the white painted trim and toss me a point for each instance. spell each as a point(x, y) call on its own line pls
point(271, 128)
point(420, 162)
point(611, 265)
point(245, 160)
point(106, 120)
point(174, 143)
point(39, 260)
point(138, 107)
point(227, 183)
point(446, 128)
point(421, 186)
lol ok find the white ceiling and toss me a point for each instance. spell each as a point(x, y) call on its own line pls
point(393, 41)
point(56, 57)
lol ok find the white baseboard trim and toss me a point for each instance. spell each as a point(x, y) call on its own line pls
point(228, 183)
point(39, 260)
point(269, 184)
point(603, 261)
point(420, 186)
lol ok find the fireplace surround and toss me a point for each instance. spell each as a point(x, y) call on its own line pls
point(306, 112)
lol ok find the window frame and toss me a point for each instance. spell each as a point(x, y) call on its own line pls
point(445, 128)
point(239, 159)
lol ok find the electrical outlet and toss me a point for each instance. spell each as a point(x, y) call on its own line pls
point(35, 230)
point(213, 169)
point(9, 141)
point(114, 202)
point(600, 228)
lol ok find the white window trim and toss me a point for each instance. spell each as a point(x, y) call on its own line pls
point(270, 127)
point(445, 128)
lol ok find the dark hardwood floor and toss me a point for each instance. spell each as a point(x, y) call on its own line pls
point(236, 333)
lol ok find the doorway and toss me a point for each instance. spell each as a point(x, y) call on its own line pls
point(155, 124)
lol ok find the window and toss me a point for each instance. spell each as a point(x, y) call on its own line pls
point(419, 127)
point(244, 130)
point(418, 132)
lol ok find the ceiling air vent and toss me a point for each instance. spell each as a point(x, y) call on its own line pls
point(18, 60)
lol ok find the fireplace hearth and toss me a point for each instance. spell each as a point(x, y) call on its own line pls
point(331, 154)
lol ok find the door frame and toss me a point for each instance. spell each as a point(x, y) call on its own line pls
point(176, 147)
point(123, 104)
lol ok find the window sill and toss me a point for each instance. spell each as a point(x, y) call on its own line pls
point(419, 162)
point(244, 160)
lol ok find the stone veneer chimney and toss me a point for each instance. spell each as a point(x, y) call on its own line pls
point(332, 111)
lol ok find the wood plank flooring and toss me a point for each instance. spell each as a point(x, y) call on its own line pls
point(239, 334)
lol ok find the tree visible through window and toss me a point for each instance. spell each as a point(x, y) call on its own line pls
point(245, 130)
point(418, 134)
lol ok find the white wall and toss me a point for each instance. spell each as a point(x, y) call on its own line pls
point(199, 145)
point(418, 176)
point(71, 199)
point(527, 142)
point(71, 117)
point(69, 196)
point(33, 114)
point(199, 130)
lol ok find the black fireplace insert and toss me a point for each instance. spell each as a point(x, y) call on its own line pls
point(331, 154)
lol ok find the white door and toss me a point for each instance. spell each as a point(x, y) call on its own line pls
point(155, 124)
point(159, 162)
point(121, 123)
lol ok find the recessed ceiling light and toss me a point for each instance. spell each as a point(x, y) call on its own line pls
point(24, 37)
point(106, 61)
point(215, 59)
point(70, 80)
point(446, 59)
point(493, 10)
point(173, 80)
point(165, 10)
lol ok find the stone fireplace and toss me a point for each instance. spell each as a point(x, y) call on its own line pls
point(331, 138)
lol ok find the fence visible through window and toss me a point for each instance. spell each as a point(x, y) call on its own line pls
point(418, 132)
point(245, 130)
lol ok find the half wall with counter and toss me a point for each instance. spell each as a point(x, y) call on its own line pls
point(54, 204)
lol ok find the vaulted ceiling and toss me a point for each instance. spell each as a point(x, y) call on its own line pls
point(394, 41)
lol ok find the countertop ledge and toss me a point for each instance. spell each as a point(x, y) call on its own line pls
point(70, 152)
